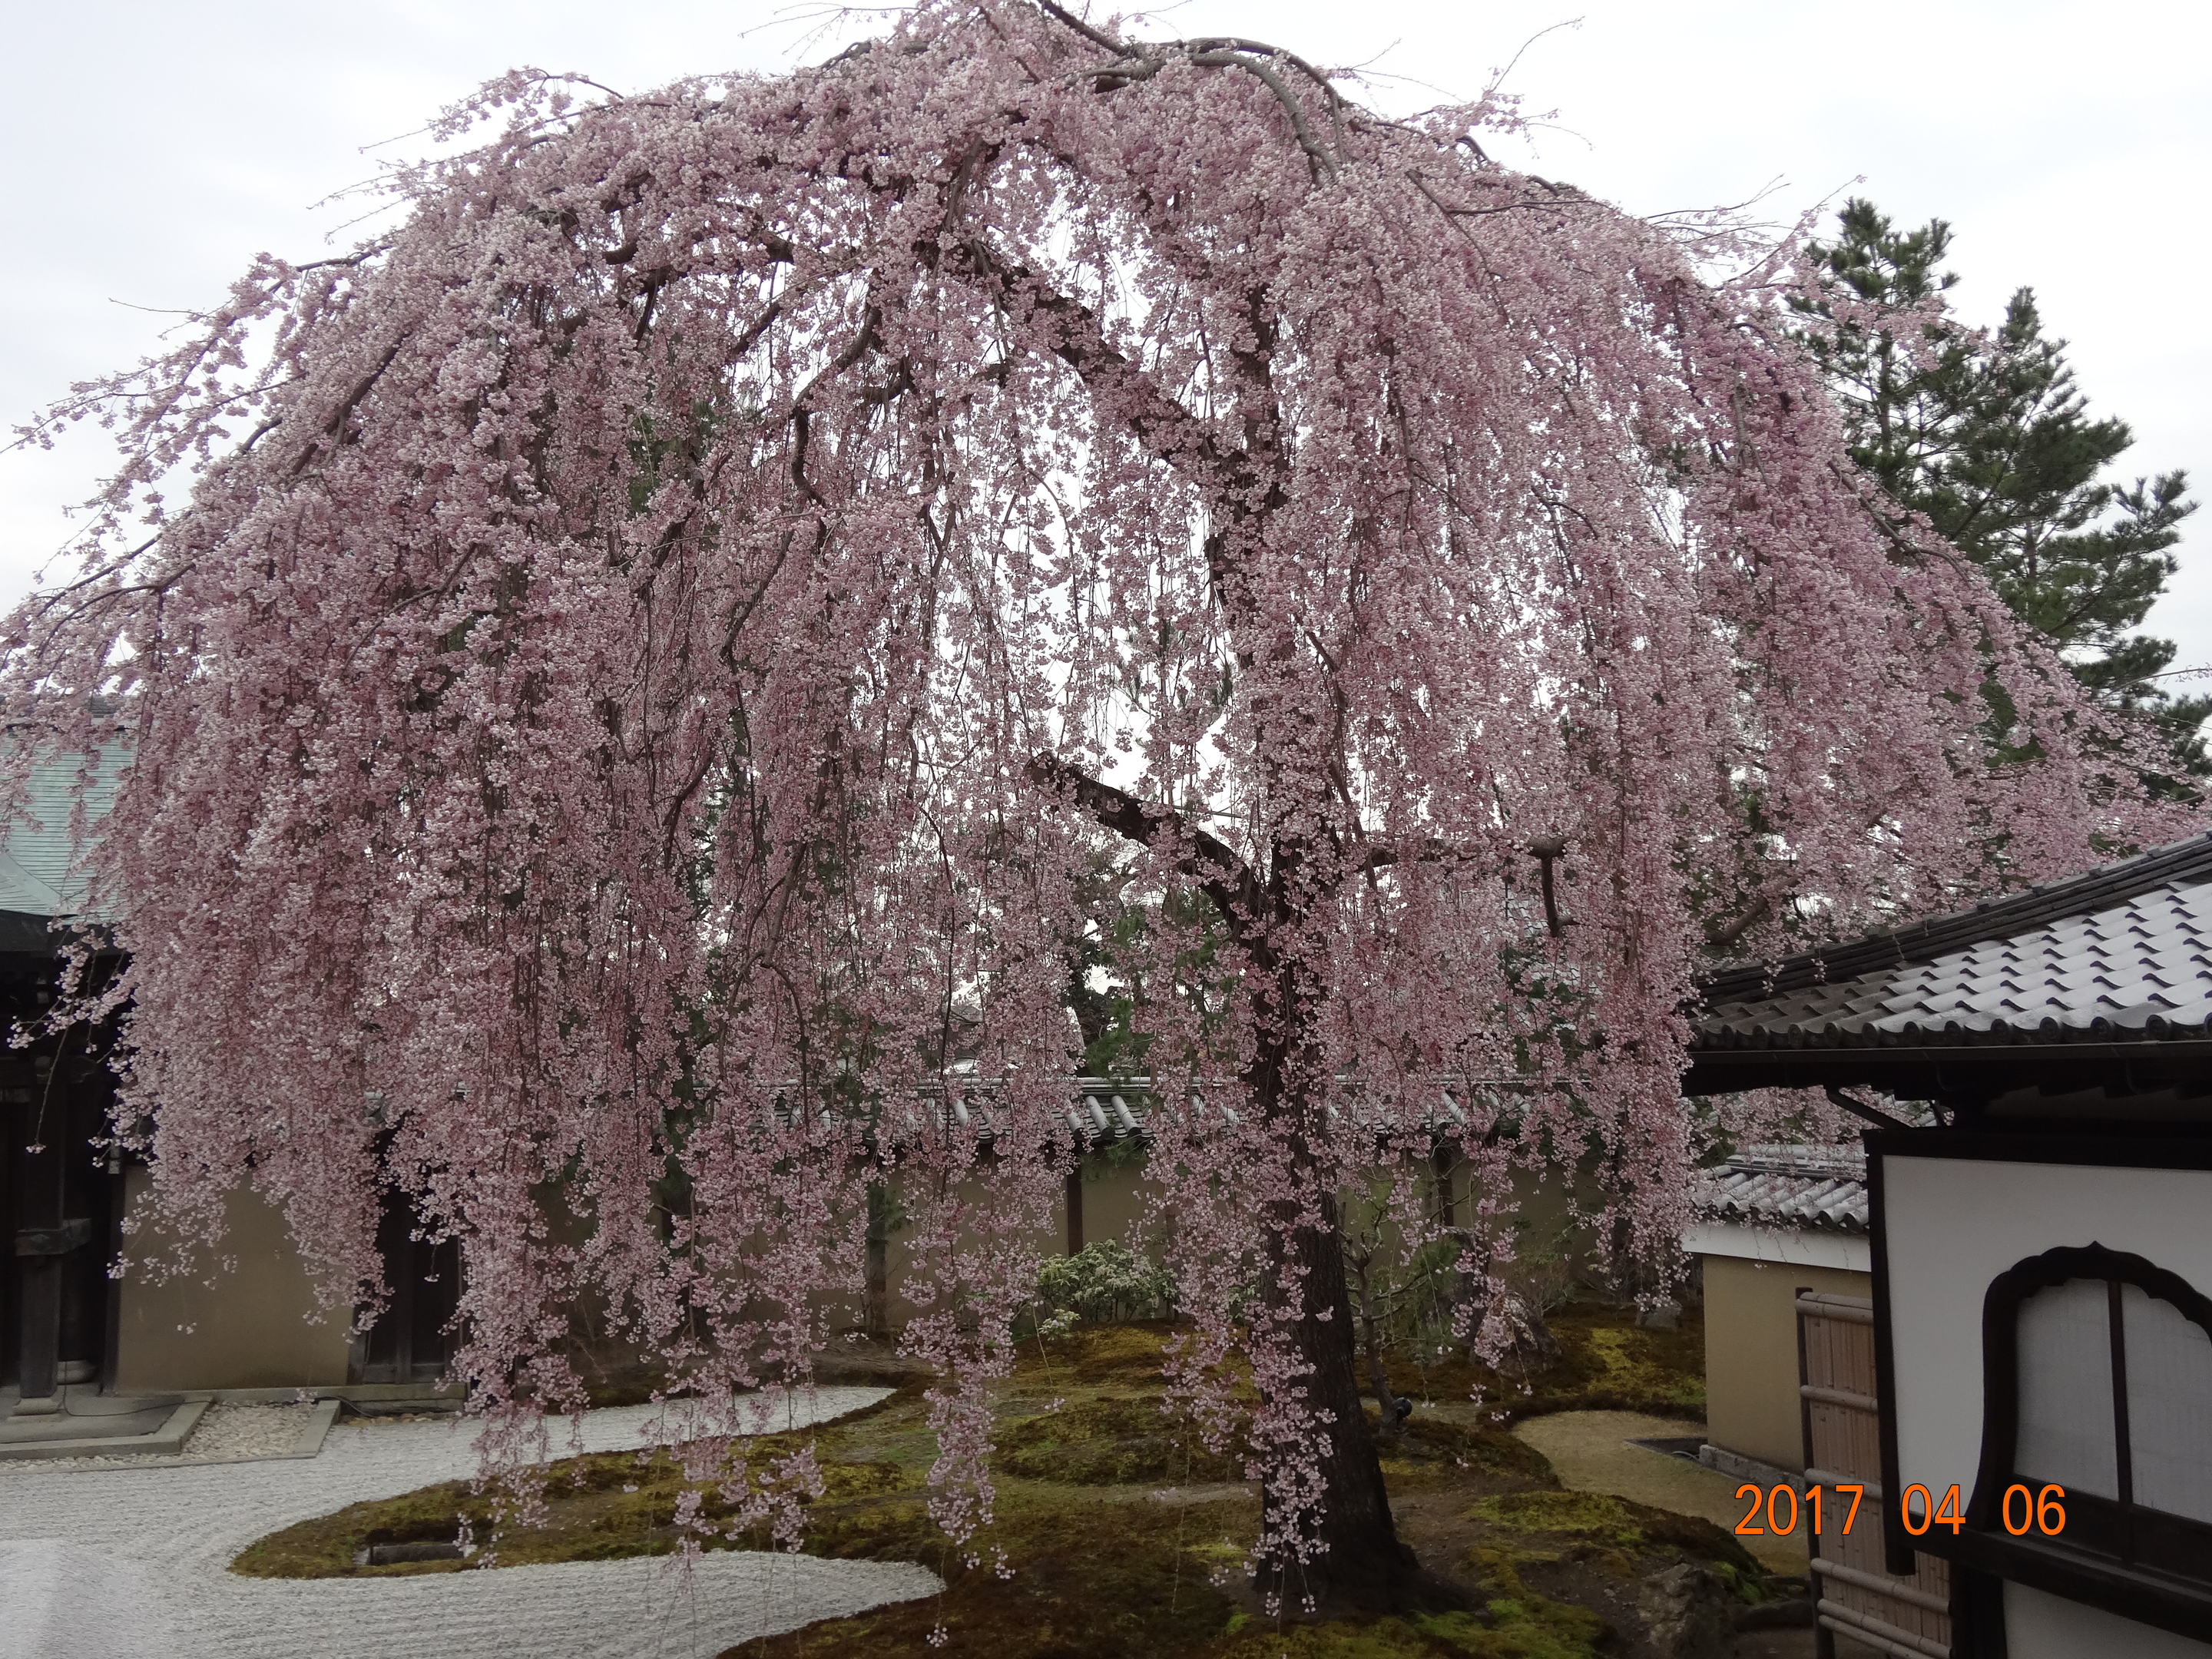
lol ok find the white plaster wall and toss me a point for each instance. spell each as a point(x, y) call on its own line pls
point(1954, 1225)
point(1800, 1246)
point(2038, 1625)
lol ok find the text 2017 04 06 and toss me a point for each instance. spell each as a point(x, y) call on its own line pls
point(2043, 1511)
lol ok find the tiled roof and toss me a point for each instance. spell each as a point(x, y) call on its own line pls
point(38, 855)
point(1821, 1188)
point(1101, 1108)
point(2122, 954)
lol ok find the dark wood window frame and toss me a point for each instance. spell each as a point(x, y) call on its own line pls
point(2118, 1527)
point(2142, 1563)
point(1984, 1558)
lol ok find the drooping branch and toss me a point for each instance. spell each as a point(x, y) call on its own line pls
point(1096, 36)
point(334, 427)
point(1242, 486)
point(1544, 850)
point(1078, 337)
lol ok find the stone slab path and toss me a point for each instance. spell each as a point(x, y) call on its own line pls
point(122, 1561)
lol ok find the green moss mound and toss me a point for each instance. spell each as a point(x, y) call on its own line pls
point(611, 1504)
point(598, 1509)
point(1430, 1451)
point(1615, 1521)
point(1093, 1578)
point(1128, 1355)
point(1111, 1440)
point(1607, 1362)
point(1525, 1626)
point(325, 1547)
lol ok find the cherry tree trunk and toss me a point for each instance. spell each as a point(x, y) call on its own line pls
point(1358, 1562)
point(1352, 1558)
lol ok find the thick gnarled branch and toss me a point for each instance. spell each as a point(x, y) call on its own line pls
point(1720, 936)
point(1235, 888)
point(1141, 60)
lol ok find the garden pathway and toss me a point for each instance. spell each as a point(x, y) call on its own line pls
point(133, 1561)
point(1590, 1452)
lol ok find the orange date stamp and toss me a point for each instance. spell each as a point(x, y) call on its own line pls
point(2043, 1511)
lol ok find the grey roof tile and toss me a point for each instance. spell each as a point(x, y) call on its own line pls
point(2110, 952)
point(1819, 1187)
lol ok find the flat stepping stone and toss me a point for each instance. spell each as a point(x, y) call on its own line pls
point(19, 1429)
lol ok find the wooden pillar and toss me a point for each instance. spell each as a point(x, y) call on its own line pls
point(1441, 1161)
point(42, 1236)
point(1075, 1204)
point(876, 1294)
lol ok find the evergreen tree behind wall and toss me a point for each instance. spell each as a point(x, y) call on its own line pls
point(1988, 435)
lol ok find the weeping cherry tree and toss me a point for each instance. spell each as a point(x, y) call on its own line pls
point(650, 643)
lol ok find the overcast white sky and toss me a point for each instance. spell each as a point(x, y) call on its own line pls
point(152, 149)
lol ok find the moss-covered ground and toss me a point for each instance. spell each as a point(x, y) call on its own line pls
point(1126, 1539)
point(1607, 1362)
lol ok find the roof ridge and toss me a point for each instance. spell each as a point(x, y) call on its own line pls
point(2177, 863)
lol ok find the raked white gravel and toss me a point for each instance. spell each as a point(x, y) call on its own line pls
point(117, 1563)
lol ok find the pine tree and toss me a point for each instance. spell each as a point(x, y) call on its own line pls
point(1989, 435)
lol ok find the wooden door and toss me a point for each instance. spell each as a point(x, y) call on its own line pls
point(1907, 1617)
point(410, 1342)
point(56, 1231)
